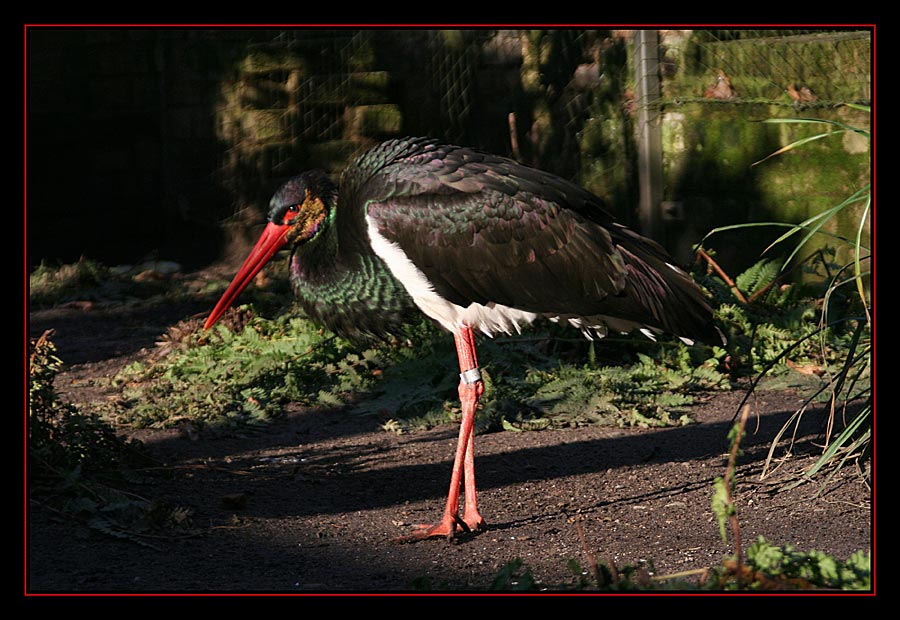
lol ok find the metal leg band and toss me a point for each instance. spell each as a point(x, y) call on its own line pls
point(473, 375)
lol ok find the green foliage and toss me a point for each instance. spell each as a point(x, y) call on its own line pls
point(722, 506)
point(835, 335)
point(788, 567)
point(246, 369)
point(528, 388)
point(771, 330)
point(515, 577)
point(652, 391)
point(246, 376)
point(768, 567)
point(758, 276)
point(49, 284)
point(61, 437)
point(75, 458)
point(225, 378)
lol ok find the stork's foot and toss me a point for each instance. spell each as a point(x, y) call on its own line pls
point(475, 522)
point(448, 528)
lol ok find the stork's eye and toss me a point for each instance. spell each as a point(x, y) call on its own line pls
point(290, 213)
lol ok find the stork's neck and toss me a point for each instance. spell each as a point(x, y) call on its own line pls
point(351, 293)
point(316, 260)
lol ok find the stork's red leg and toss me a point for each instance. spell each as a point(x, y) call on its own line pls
point(468, 361)
point(471, 387)
point(472, 518)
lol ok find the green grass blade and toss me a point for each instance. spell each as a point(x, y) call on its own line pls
point(822, 219)
point(839, 441)
point(819, 121)
point(842, 128)
point(801, 226)
point(798, 143)
point(741, 226)
point(859, 231)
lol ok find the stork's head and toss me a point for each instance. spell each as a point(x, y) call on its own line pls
point(298, 212)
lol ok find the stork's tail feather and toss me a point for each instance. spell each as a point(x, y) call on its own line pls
point(671, 299)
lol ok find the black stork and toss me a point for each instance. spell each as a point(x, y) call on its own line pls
point(478, 243)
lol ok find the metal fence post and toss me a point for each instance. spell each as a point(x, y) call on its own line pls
point(649, 135)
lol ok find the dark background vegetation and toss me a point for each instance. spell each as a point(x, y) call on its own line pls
point(167, 142)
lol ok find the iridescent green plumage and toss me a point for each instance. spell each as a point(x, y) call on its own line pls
point(361, 299)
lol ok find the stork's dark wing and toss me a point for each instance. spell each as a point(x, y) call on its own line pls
point(486, 229)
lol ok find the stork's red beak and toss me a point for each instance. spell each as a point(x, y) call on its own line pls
point(273, 238)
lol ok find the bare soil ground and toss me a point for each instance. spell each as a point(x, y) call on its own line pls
point(312, 502)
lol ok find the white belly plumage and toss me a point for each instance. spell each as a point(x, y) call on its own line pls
point(488, 319)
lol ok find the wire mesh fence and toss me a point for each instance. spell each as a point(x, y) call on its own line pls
point(208, 121)
point(301, 96)
point(290, 90)
point(792, 67)
point(454, 79)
